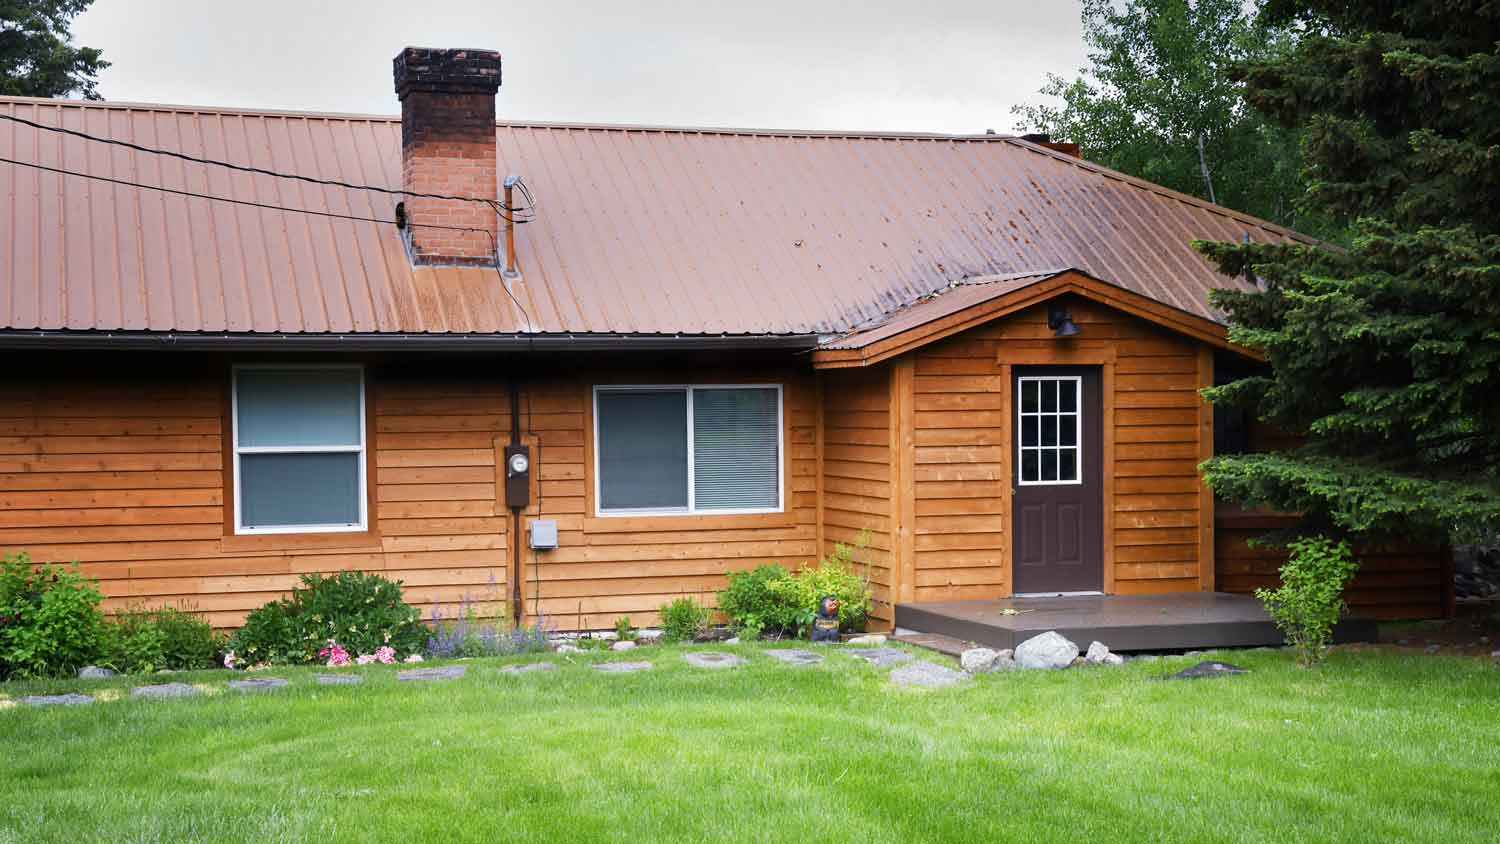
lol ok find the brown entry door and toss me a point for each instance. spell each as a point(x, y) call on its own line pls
point(1057, 513)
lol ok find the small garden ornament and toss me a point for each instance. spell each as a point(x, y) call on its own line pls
point(826, 625)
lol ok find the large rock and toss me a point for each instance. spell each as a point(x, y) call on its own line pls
point(166, 690)
point(869, 640)
point(94, 672)
point(1005, 660)
point(927, 675)
point(1098, 654)
point(1047, 650)
point(623, 645)
point(977, 660)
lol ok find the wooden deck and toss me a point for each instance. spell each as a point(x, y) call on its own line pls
point(1183, 621)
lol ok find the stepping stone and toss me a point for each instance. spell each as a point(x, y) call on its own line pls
point(165, 690)
point(621, 667)
point(446, 672)
point(339, 679)
point(795, 656)
point(57, 700)
point(1207, 669)
point(880, 657)
point(710, 659)
point(528, 668)
point(927, 675)
point(256, 684)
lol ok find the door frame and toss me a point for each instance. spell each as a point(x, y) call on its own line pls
point(1061, 353)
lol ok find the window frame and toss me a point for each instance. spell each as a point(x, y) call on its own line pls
point(1021, 415)
point(361, 449)
point(692, 490)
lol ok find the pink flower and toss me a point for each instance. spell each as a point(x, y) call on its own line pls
point(364, 659)
point(231, 661)
point(385, 654)
point(414, 658)
point(335, 653)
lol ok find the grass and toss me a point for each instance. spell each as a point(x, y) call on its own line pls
point(1372, 747)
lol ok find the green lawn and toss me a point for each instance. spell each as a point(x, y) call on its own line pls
point(1370, 748)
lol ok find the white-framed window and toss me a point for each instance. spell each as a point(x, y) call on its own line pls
point(687, 448)
point(299, 448)
point(1049, 417)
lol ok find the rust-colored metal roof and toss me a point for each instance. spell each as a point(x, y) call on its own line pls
point(960, 296)
point(638, 230)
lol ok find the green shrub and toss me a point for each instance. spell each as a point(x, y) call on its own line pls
point(683, 620)
point(623, 630)
point(50, 623)
point(771, 598)
point(360, 611)
point(1310, 599)
point(143, 641)
point(833, 576)
point(751, 604)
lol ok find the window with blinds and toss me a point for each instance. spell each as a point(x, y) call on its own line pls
point(299, 448)
point(688, 449)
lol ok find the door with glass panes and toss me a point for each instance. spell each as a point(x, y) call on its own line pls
point(1057, 509)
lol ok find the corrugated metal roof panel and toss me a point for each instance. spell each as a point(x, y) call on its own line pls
point(638, 230)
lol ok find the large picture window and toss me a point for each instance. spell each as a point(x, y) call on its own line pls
point(687, 449)
point(299, 449)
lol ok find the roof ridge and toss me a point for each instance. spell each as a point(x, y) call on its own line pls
point(517, 123)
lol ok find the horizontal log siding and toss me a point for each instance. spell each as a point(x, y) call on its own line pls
point(963, 409)
point(857, 474)
point(608, 567)
point(126, 476)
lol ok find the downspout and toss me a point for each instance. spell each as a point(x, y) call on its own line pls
point(518, 609)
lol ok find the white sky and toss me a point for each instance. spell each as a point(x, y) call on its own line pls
point(941, 65)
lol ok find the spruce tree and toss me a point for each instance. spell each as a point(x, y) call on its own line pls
point(1385, 357)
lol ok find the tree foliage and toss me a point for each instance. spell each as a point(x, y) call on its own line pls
point(37, 58)
point(1160, 80)
point(1385, 357)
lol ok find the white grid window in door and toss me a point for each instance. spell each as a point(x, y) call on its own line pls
point(1050, 423)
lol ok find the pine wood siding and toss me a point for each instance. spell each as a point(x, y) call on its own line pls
point(857, 474)
point(125, 473)
point(1151, 449)
point(606, 567)
point(1392, 582)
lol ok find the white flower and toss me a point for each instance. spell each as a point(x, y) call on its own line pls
point(414, 658)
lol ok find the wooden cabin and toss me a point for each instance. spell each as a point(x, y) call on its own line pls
point(690, 351)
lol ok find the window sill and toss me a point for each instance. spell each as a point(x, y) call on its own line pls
point(362, 540)
point(694, 521)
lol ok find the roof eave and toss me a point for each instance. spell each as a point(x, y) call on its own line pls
point(242, 341)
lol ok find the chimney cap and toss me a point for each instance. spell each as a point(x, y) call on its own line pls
point(447, 71)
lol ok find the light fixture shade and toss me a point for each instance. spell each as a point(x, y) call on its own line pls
point(1061, 322)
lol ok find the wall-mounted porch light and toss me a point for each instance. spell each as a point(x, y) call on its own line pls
point(1061, 322)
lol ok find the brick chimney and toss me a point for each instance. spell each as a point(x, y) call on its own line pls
point(448, 147)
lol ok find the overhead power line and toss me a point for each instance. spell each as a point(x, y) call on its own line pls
point(250, 203)
point(500, 208)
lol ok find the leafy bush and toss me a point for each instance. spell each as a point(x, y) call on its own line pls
point(1310, 599)
point(50, 623)
point(467, 633)
point(771, 598)
point(142, 641)
point(361, 611)
point(752, 605)
point(833, 576)
point(683, 620)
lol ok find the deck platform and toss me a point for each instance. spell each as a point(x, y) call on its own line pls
point(1181, 621)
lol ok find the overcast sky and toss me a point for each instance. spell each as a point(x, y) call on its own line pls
point(940, 65)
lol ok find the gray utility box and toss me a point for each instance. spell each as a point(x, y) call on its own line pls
point(543, 534)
